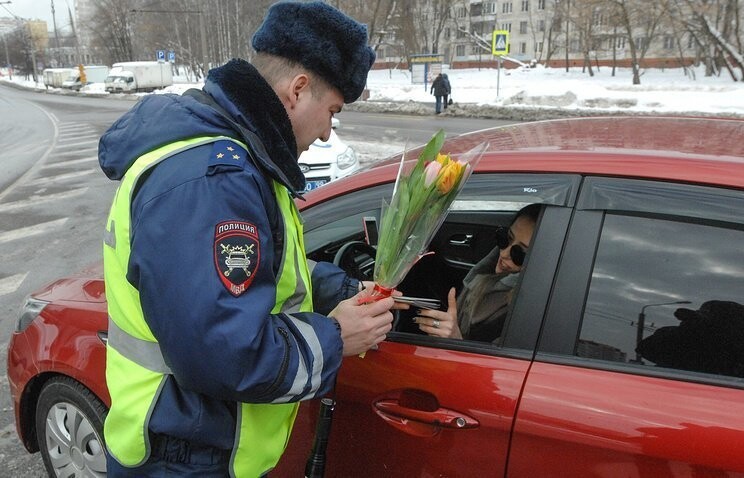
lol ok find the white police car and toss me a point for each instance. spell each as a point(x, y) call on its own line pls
point(324, 162)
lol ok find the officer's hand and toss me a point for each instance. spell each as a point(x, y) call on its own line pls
point(369, 285)
point(363, 325)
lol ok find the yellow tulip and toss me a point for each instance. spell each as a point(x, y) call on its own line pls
point(449, 175)
point(442, 158)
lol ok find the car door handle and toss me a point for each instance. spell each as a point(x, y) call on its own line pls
point(461, 240)
point(422, 422)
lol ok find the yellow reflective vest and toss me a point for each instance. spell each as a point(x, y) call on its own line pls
point(136, 369)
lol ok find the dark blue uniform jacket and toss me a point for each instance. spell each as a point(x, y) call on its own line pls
point(221, 348)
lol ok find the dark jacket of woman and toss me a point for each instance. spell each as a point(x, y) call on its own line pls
point(439, 87)
point(484, 302)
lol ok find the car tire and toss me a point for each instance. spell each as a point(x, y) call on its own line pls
point(69, 427)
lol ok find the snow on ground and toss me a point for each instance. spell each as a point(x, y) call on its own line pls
point(531, 93)
point(660, 91)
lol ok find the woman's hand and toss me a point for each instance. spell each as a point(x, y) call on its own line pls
point(438, 323)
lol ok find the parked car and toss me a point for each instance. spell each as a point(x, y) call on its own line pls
point(326, 161)
point(622, 353)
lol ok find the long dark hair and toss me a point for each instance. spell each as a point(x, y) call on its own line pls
point(531, 211)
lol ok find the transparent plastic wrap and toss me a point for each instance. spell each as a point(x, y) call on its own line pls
point(421, 198)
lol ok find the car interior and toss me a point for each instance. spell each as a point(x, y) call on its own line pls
point(465, 237)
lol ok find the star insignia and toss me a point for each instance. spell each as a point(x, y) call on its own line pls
point(230, 148)
point(235, 156)
point(220, 155)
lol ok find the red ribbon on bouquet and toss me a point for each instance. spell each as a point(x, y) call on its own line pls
point(378, 292)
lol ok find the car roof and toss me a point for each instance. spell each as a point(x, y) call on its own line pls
point(683, 149)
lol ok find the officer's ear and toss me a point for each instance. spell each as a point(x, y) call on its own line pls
point(292, 90)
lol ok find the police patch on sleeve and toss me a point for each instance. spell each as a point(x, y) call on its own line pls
point(236, 254)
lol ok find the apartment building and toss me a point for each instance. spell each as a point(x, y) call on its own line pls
point(544, 31)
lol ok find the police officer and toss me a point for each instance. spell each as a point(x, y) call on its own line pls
point(218, 325)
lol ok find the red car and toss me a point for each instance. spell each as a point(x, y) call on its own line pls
point(622, 353)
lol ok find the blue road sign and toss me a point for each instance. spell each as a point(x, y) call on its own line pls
point(500, 42)
point(161, 55)
point(171, 56)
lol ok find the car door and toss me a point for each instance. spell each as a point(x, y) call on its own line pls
point(424, 406)
point(640, 366)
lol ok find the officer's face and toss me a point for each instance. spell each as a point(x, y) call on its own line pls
point(311, 112)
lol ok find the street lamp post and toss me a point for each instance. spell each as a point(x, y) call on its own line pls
point(56, 36)
point(642, 323)
point(568, 23)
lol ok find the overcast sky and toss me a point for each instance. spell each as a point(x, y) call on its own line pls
point(41, 10)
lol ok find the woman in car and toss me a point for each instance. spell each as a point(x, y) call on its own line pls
point(481, 309)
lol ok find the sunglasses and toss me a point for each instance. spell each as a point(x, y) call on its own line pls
point(503, 241)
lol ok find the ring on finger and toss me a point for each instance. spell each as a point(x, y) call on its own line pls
point(435, 324)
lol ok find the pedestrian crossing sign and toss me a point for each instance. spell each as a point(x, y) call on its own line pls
point(500, 42)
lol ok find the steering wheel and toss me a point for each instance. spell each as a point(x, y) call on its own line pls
point(357, 258)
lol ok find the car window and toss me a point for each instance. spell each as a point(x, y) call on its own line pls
point(330, 224)
point(487, 203)
point(667, 292)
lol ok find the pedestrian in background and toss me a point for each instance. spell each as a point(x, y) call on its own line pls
point(439, 90)
point(448, 88)
point(218, 325)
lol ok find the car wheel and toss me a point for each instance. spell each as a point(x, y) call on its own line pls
point(69, 427)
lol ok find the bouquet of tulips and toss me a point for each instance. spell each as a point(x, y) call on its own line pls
point(421, 199)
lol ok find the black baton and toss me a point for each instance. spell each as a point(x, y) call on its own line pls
point(315, 466)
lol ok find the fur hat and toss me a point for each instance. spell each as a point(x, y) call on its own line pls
point(320, 38)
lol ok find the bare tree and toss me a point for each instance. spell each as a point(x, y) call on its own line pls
point(586, 17)
point(543, 33)
point(441, 11)
point(715, 27)
point(19, 47)
point(555, 28)
point(680, 30)
point(203, 33)
point(640, 20)
point(378, 15)
point(112, 26)
point(406, 27)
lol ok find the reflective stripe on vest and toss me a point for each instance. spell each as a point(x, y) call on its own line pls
point(136, 369)
point(260, 434)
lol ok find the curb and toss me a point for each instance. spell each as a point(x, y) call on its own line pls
point(64, 92)
point(514, 112)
